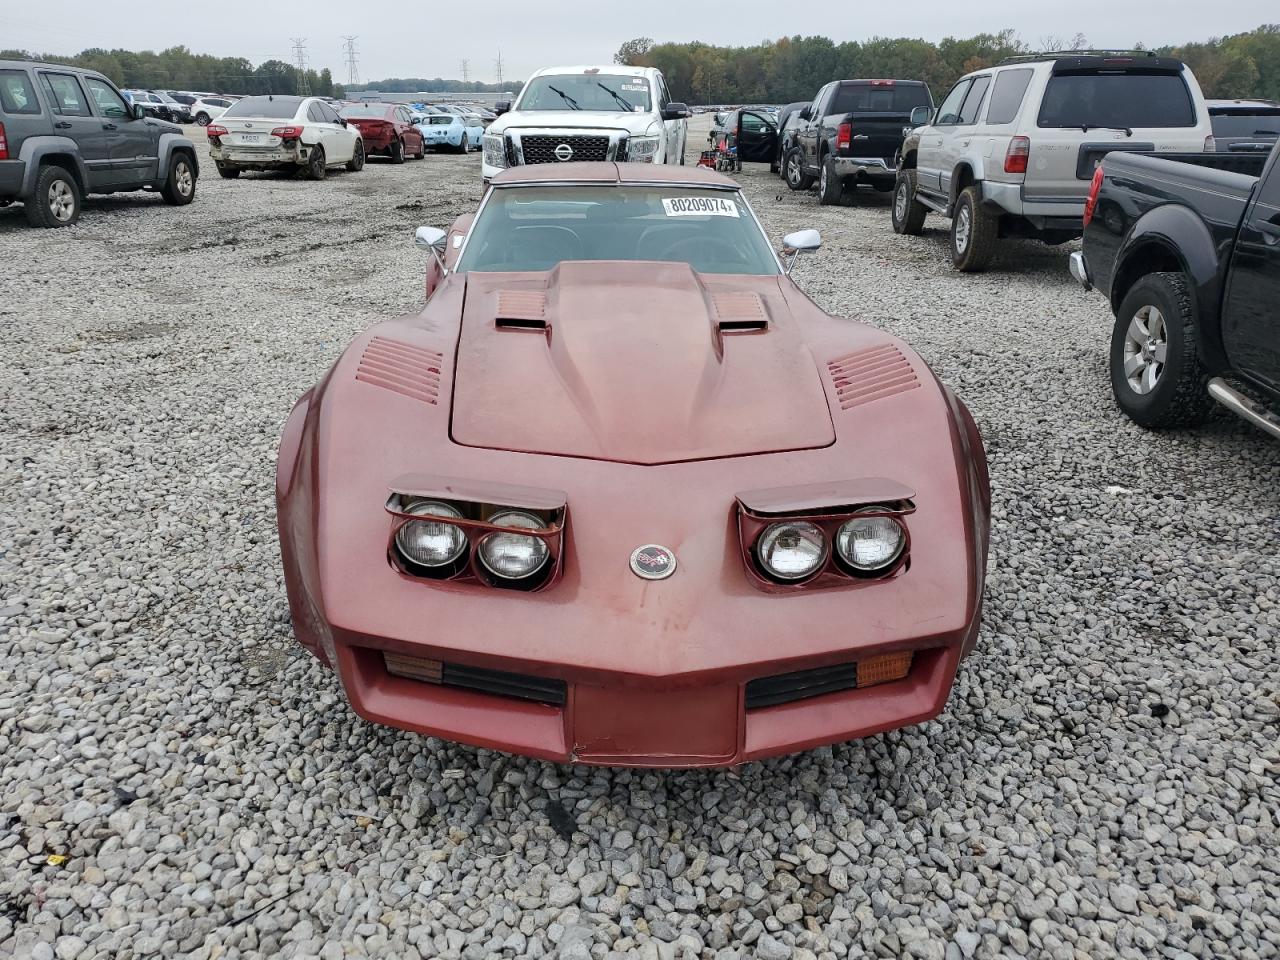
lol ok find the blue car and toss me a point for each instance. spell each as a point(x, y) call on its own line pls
point(440, 129)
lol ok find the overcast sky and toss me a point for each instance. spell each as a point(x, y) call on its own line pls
point(429, 39)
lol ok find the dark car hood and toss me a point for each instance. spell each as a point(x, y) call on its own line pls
point(635, 362)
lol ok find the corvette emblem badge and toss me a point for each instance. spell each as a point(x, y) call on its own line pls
point(653, 562)
point(564, 153)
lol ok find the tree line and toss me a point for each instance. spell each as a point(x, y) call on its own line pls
point(793, 68)
point(177, 68)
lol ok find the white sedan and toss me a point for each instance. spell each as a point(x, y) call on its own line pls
point(207, 109)
point(272, 133)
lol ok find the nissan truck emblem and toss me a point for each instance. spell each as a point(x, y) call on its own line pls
point(564, 153)
point(653, 562)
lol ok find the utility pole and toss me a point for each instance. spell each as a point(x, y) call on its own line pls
point(349, 49)
point(466, 70)
point(300, 53)
point(497, 68)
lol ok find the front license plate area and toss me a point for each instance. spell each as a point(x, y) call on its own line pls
point(687, 727)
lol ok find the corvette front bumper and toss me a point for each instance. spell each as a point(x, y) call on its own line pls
point(626, 721)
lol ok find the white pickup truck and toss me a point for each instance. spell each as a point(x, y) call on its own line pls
point(611, 113)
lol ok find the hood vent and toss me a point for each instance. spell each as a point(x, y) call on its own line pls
point(871, 374)
point(739, 312)
point(407, 370)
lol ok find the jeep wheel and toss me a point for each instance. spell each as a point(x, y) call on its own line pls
point(1156, 374)
point(56, 200)
point(830, 186)
point(316, 168)
point(793, 168)
point(356, 163)
point(397, 151)
point(908, 212)
point(973, 234)
point(180, 186)
point(228, 172)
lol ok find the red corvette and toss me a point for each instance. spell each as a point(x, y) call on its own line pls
point(621, 494)
point(387, 130)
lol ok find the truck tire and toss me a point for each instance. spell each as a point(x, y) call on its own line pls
point(1157, 318)
point(793, 171)
point(830, 186)
point(180, 185)
point(973, 233)
point(56, 199)
point(908, 212)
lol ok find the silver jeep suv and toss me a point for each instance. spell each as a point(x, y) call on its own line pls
point(1012, 149)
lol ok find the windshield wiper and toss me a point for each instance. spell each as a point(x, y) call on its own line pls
point(573, 104)
point(626, 107)
point(1128, 132)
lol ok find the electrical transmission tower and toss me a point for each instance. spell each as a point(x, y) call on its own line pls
point(466, 71)
point(497, 68)
point(349, 51)
point(300, 53)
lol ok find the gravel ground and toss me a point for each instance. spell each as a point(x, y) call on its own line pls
point(178, 779)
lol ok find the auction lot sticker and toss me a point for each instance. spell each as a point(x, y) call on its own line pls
point(699, 207)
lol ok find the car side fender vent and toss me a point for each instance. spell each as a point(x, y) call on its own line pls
point(871, 374)
point(401, 368)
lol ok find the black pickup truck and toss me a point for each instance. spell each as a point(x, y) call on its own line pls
point(850, 134)
point(1187, 249)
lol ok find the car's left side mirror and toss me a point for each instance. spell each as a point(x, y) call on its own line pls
point(435, 240)
point(920, 116)
point(676, 111)
point(802, 241)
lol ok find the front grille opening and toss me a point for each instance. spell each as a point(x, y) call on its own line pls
point(804, 684)
point(542, 149)
point(498, 683)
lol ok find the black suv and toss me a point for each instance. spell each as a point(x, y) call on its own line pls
point(65, 133)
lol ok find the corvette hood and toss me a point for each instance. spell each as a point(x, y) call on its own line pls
point(635, 362)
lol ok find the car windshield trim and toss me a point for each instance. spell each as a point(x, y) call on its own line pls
point(764, 257)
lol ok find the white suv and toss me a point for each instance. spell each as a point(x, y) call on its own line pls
point(612, 113)
point(1012, 149)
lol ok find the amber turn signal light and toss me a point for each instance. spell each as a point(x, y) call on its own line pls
point(882, 669)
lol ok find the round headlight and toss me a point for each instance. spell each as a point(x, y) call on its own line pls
point(870, 544)
point(791, 551)
point(431, 543)
point(510, 555)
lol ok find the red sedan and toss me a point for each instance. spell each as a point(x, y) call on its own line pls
point(387, 130)
point(621, 494)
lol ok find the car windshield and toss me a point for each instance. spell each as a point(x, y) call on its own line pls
point(536, 228)
point(1119, 100)
point(586, 91)
point(378, 113)
point(1262, 123)
point(268, 108)
point(879, 96)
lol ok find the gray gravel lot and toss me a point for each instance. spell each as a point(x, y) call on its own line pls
point(178, 779)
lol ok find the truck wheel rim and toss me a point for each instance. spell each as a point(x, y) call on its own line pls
point(900, 202)
point(962, 230)
point(62, 201)
point(183, 179)
point(1146, 348)
point(822, 187)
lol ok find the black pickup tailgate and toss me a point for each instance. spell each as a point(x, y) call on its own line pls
point(876, 111)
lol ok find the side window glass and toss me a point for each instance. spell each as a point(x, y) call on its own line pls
point(17, 95)
point(973, 102)
point(65, 94)
point(105, 96)
point(331, 114)
point(314, 114)
point(949, 112)
point(1007, 94)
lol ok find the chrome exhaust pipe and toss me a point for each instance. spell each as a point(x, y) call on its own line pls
point(1244, 407)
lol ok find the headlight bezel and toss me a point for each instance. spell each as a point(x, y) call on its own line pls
point(820, 505)
point(479, 505)
point(651, 147)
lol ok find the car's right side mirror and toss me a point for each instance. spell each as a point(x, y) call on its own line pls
point(501, 107)
point(920, 116)
point(137, 111)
